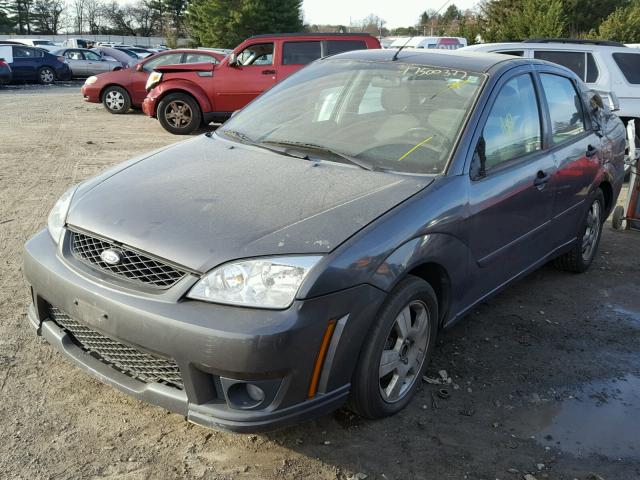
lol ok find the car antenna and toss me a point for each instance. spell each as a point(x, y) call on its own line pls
point(395, 55)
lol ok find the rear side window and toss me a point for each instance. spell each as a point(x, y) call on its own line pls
point(26, 52)
point(581, 63)
point(300, 53)
point(513, 125)
point(565, 107)
point(339, 46)
point(199, 58)
point(629, 64)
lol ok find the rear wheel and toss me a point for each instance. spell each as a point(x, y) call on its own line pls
point(179, 114)
point(618, 217)
point(579, 258)
point(396, 350)
point(116, 100)
point(46, 76)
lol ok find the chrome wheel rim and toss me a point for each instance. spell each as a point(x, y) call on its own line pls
point(114, 100)
point(46, 75)
point(178, 114)
point(592, 231)
point(404, 352)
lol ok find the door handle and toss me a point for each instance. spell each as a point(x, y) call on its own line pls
point(268, 72)
point(542, 178)
point(591, 151)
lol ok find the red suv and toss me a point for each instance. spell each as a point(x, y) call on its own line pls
point(184, 97)
point(123, 89)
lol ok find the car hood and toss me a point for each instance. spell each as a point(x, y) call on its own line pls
point(207, 201)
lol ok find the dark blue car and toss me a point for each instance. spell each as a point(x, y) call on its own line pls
point(32, 64)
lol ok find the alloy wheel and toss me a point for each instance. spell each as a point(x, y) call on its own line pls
point(592, 231)
point(114, 100)
point(46, 75)
point(178, 114)
point(404, 351)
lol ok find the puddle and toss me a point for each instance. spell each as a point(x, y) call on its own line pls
point(602, 419)
point(624, 301)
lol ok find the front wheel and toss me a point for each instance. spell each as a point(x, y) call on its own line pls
point(46, 76)
point(580, 257)
point(116, 100)
point(179, 114)
point(396, 351)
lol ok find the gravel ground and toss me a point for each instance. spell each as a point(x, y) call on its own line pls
point(545, 378)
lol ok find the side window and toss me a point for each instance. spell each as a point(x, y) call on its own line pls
point(565, 107)
point(169, 59)
point(513, 125)
point(629, 64)
point(339, 46)
point(22, 52)
point(94, 57)
point(574, 61)
point(514, 53)
point(257, 54)
point(592, 69)
point(74, 55)
point(199, 58)
point(36, 52)
point(300, 53)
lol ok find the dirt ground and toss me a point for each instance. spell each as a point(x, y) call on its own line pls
point(545, 377)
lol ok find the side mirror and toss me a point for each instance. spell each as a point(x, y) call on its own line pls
point(139, 67)
point(233, 60)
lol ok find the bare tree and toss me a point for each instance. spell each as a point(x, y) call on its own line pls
point(80, 11)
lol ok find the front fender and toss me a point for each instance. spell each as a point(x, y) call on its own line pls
point(182, 85)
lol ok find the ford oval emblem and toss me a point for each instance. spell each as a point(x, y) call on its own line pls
point(111, 257)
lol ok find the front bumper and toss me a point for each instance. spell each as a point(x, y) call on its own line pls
point(149, 106)
point(214, 346)
point(90, 93)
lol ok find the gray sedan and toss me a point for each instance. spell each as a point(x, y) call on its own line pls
point(84, 62)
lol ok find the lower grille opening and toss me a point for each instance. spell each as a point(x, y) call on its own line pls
point(135, 363)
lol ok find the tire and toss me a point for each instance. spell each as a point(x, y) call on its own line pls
point(617, 218)
point(179, 114)
point(46, 76)
point(580, 257)
point(374, 396)
point(116, 100)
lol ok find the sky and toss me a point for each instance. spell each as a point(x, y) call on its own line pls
point(397, 13)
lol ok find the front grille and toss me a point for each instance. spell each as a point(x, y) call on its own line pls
point(133, 266)
point(128, 360)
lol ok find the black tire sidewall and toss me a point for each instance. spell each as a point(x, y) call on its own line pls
point(616, 219)
point(598, 197)
point(124, 93)
point(196, 114)
point(366, 399)
point(40, 76)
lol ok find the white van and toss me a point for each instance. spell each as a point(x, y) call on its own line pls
point(38, 42)
point(446, 43)
point(603, 65)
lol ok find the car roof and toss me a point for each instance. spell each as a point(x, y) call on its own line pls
point(475, 62)
point(555, 44)
point(311, 34)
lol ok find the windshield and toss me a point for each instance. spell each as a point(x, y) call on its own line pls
point(386, 116)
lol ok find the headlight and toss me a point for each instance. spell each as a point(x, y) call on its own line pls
point(91, 80)
point(153, 80)
point(58, 215)
point(263, 283)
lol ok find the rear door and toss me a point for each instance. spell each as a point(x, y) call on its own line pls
point(297, 54)
point(255, 72)
point(25, 64)
point(510, 198)
point(77, 62)
point(576, 151)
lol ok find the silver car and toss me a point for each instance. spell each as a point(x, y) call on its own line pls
point(84, 62)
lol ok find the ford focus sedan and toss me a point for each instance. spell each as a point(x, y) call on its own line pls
point(309, 251)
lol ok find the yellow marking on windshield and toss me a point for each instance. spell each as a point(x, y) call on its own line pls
point(426, 140)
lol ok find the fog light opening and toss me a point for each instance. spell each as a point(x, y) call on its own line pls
point(245, 395)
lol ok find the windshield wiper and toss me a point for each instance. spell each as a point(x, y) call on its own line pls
point(321, 149)
point(244, 138)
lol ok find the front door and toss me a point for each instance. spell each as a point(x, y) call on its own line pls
point(510, 196)
point(236, 85)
